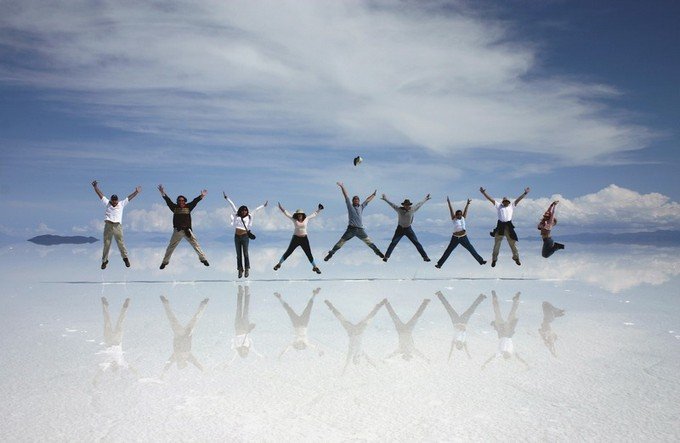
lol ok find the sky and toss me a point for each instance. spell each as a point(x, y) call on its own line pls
point(271, 101)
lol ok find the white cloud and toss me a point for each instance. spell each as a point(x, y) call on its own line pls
point(292, 73)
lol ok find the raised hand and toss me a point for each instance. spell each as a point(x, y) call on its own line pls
point(161, 189)
point(320, 206)
point(204, 193)
point(224, 194)
point(94, 183)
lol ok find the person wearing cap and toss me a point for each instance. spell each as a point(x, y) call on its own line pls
point(113, 218)
point(181, 223)
point(405, 214)
point(504, 227)
point(548, 221)
point(300, 220)
point(355, 227)
point(459, 235)
point(242, 221)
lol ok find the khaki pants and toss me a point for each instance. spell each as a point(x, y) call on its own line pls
point(177, 237)
point(497, 245)
point(114, 230)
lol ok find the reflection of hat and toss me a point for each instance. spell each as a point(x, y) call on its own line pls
point(114, 197)
point(406, 202)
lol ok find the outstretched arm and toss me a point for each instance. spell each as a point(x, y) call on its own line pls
point(524, 194)
point(384, 197)
point(483, 191)
point(286, 213)
point(370, 197)
point(467, 205)
point(231, 203)
point(137, 190)
point(421, 203)
point(319, 208)
point(96, 189)
point(448, 201)
point(264, 205)
point(168, 202)
point(342, 188)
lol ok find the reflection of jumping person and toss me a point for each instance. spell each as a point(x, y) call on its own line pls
point(460, 322)
point(242, 221)
point(242, 344)
point(113, 217)
point(405, 214)
point(181, 344)
point(548, 221)
point(407, 348)
point(547, 334)
point(354, 333)
point(505, 330)
point(113, 358)
point(504, 227)
point(459, 235)
point(300, 220)
point(300, 322)
point(355, 227)
point(181, 223)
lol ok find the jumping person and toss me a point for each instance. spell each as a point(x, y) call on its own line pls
point(459, 235)
point(181, 343)
point(355, 227)
point(504, 227)
point(242, 221)
point(460, 322)
point(113, 217)
point(181, 223)
point(300, 220)
point(407, 347)
point(545, 226)
point(405, 214)
point(113, 357)
point(549, 337)
point(505, 330)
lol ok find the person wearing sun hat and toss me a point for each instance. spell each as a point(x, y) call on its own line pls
point(300, 220)
point(405, 214)
point(504, 227)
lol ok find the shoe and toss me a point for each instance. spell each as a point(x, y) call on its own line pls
point(427, 259)
point(493, 263)
point(385, 259)
point(245, 274)
point(104, 264)
point(127, 262)
point(163, 265)
point(240, 273)
point(483, 262)
point(328, 257)
point(517, 261)
point(381, 255)
point(205, 262)
point(559, 246)
point(317, 270)
point(492, 234)
point(277, 267)
point(438, 266)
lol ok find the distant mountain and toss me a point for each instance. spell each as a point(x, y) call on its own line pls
point(50, 240)
point(658, 238)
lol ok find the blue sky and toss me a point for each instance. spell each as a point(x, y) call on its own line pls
point(272, 100)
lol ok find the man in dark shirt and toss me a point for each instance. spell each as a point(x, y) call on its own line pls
point(181, 223)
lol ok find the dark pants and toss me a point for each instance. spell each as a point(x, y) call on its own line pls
point(296, 241)
point(241, 242)
point(463, 241)
point(352, 232)
point(549, 247)
point(408, 232)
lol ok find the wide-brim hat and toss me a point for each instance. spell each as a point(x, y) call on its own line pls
point(298, 211)
point(407, 202)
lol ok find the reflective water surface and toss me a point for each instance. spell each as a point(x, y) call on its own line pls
point(367, 351)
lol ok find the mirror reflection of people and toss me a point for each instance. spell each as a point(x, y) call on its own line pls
point(459, 235)
point(405, 214)
point(355, 331)
point(460, 322)
point(113, 219)
point(549, 337)
point(242, 221)
point(182, 337)
point(407, 347)
point(300, 220)
point(242, 343)
point(504, 226)
point(300, 325)
point(112, 356)
point(547, 223)
point(505, 330)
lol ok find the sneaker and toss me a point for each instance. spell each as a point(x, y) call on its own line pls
point(277, 267)
point(246, 273)
point(127, 262)
point(104, 263)
point(493, 263)
point(163, 265)
point(240, 273)
point(427, 259)
point(205, 262)
point(385, 259)
point(483, 262)
point(517, 261)
point(438, 266)
point(328, 256)
point(316, 269)
point(492, 234)
point(559, 246)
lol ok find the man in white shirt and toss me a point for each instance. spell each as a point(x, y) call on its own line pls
point(113, 217)
point(504, 227)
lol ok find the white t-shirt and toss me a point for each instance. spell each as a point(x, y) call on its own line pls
point(505, 212)
point(505, 345)
point(459, 225)
point(114, 213)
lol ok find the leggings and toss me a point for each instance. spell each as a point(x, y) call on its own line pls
point(296, 241)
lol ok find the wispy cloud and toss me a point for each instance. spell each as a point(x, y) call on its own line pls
point(308, 74)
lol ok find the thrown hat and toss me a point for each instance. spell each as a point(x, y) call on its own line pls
point(113, 197)
point(357, 160)
point(406, 202)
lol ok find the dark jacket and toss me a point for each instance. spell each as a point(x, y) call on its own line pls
point(181, 220)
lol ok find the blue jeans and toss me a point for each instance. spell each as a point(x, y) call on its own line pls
point(548, 247)
point(241, 242)
point(463, 241)
point(352, 232)
point(408, 232)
